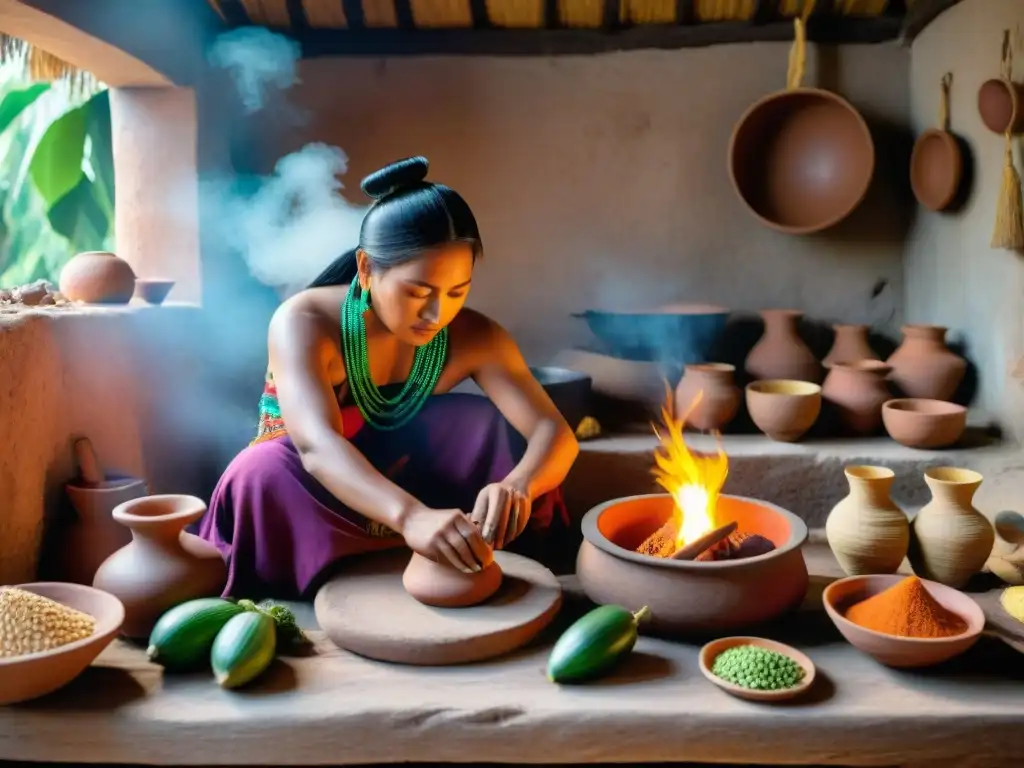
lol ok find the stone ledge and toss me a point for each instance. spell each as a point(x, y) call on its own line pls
point(806, 478)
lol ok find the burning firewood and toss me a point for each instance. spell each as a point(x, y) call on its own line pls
point(736, 547)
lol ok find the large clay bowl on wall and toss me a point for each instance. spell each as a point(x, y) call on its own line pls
point(801, 160)
point(688, 597)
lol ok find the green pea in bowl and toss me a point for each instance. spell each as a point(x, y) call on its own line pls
point(800, 661)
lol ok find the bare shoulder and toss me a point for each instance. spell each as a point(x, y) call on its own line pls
point(307, 319)
point(474, 330)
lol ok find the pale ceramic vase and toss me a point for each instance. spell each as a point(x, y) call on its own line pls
point(163, 565)
point(94, 535)
point(867, 532)
point(950, 539)
point(850, 345)
point(923, 366)
point(781, 353)
point(719, 396)
point(855, 392)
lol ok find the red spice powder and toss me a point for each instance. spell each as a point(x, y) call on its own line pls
point(661, 543)
point(906, 609)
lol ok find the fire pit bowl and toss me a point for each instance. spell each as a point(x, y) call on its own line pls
point(687, 597)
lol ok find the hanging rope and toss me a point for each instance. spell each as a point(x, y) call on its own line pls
point(1008, 232)
point(947, 83)
point(798, 51)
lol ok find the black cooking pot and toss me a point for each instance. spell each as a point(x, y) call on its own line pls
point(681, 333)
point(569, 390)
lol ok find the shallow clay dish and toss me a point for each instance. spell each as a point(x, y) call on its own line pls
point(922, 423)
point(153, 291)
point(892, 650)
point(936, 169)
point(999, 103)
point(784, 409)
point(711, 651)
point(36, 674)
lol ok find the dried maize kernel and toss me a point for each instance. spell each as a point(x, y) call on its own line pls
point(30, 623)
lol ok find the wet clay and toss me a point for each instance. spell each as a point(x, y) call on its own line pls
point(445, 587)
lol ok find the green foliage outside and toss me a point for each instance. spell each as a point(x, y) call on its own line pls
point(56, 177)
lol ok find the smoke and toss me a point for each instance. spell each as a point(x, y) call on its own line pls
point(260, 63)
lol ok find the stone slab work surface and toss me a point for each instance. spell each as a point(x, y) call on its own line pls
point(335, 708)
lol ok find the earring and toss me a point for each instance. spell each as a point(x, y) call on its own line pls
point(364, 298)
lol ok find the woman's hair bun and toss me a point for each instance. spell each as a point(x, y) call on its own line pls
point(391, 178)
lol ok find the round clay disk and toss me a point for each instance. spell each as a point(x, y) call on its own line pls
point(365, 609)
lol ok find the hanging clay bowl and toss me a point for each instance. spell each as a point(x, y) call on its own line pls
point(801, 159)
point(97, 277)
point(936, 164)
point(1001, 102)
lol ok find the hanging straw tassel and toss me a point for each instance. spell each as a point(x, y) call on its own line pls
point(798, 51)
point(1009, 228)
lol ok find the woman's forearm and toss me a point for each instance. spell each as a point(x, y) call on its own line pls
point(550, 452)
point(356, 483)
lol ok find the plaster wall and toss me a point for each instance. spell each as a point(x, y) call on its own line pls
point(952, 276)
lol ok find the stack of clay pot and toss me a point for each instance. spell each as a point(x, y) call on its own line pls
point(948, 541)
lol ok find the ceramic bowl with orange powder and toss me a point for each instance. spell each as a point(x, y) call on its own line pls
point(903, 621)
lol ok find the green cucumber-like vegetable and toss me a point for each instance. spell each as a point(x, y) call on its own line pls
point(182, 638)
point(243, 648)
point(594, 643)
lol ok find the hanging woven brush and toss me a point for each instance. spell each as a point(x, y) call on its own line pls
point(1009, 227)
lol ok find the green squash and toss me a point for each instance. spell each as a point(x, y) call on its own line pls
point(182, 637)
point(594, 644)
point(243, 649)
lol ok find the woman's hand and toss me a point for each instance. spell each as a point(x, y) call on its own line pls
point(446, 536)
point(502, 511)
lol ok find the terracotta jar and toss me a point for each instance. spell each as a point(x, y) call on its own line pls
point(163, 565)
point(708, 396)
point(97, 277)
point(94, 535)
point(855, 392)
point(866, 531)
point(781, 353)
point(850, 345)
point(923, 366)
point(950, 539)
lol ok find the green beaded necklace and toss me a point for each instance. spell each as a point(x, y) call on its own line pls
point(382, 412)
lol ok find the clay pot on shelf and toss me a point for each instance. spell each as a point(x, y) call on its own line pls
point(923, 366)
point(94, 535)
point(1000, 103)
point(950, 540)
point(924, 424)
point(442, 586)
point(781, 353)
point(867, 532)
point(784, 410)
point(719, 397)
point(97, 277)
point(850, 346)
point(856, 392)
point(163, 565)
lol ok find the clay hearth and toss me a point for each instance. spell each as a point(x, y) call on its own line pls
point(691, 597)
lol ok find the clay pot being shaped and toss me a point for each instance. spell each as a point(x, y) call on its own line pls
point(94, 535)
point(163, 565)
point(784, 410)
point(781, 353)
point(923, 366)
point(866, 531)
point(97, 277)
point(850, 346)
point(442, 586)
point(708, 396)
point(856, 393)
point(950, 540)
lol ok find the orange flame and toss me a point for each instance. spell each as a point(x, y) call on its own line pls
point(693, 479)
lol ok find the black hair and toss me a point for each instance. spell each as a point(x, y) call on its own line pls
point(409, 215)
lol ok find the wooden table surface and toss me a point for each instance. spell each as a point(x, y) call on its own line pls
point(331, 707)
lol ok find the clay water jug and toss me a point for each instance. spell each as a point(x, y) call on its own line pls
point(163, 565)
point(850, 345)
point(781, 353)
point(708, 396)
point(867, 532)
point(923, 366)
point(950, 540)
point(93, 535)
point(855, 393)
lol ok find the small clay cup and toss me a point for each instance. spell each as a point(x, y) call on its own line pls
point(153, 291)
point(999, 103)
point(922, 423)
point(28, 677)
point(893, 650)
point(784, 409)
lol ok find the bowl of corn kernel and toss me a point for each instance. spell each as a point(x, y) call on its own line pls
point(49, 633)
